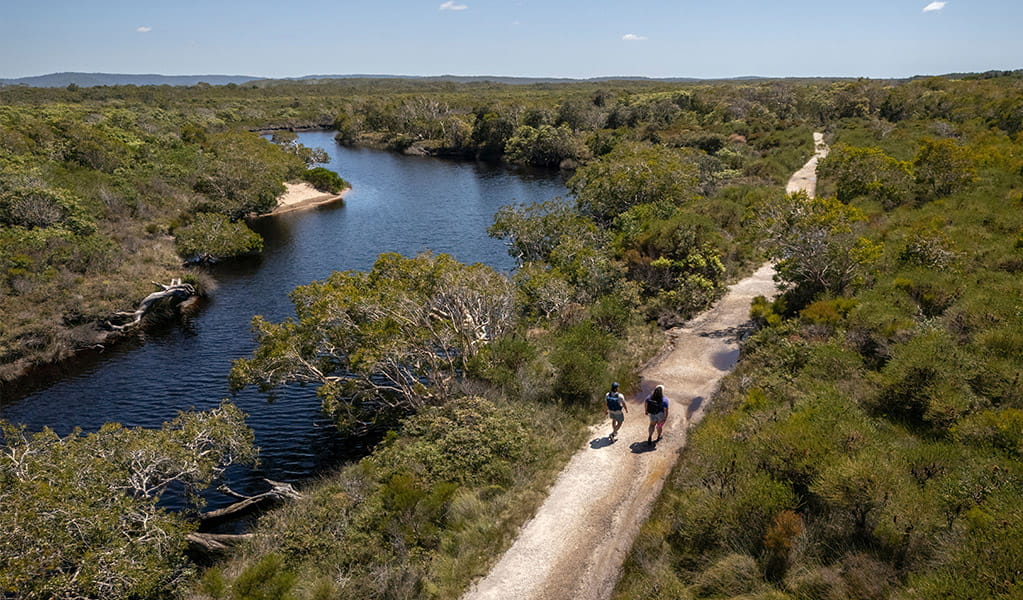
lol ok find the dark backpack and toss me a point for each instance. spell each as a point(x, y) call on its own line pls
point(654, 406)
point(613, 401)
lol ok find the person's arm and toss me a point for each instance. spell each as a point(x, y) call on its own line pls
point(625, 406)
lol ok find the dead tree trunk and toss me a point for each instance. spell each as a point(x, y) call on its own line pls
point(216, 543)
point(278, 491)
point(176, 293)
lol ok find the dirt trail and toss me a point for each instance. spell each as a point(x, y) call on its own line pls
point(576, 544)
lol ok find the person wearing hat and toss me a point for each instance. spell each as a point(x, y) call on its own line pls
point(615, 407)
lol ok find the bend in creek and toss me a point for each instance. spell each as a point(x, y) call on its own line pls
point(397, 204)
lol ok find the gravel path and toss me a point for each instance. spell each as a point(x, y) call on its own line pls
point(576, 544)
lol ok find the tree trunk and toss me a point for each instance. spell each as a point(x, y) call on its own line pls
point(278, 491)
point(177, 292)
point(214, 543)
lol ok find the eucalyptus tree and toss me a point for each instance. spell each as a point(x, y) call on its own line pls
point(387, 341)
point(80, 514)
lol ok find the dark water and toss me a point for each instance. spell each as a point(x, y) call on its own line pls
point(398, 204)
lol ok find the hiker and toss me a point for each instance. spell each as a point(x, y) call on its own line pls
point(615, 405)
point(657, 410)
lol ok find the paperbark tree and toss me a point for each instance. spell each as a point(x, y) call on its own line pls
point(80, 517)
point(390, 340)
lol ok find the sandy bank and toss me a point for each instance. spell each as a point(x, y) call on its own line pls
point(303, 195)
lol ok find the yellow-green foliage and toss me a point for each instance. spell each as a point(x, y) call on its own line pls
point(420, 517)
point(887, 418)
point(214, 235)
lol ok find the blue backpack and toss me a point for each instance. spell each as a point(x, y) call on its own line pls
point(614, 402)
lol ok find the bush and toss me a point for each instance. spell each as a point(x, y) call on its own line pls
point(216, 236)
point(325, 180)
point(926, 384)
point(1002, 429)
point(731, 575)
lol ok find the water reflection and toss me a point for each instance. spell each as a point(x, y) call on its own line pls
point(398, 204)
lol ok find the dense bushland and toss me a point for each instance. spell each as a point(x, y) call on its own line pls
point(885, 379)
point(868, 445)
point(95, 200)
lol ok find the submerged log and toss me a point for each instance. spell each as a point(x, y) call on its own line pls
point(176, 292)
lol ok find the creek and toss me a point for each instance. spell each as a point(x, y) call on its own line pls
point(398, 204)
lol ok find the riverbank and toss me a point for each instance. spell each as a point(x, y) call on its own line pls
point(96, 338)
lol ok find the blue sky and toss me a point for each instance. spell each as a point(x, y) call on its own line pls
point(569, 38)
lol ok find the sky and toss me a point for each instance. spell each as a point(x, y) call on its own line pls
point(523, 38)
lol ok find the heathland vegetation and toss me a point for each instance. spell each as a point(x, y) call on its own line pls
point(869, 443)
point(867, 446)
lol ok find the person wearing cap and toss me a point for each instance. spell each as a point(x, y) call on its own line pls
point(615, 407)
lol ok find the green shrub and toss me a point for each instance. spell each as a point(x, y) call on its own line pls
point(927, 382)
point(1001, 428)
point(580, 358)
point(325, 180)
point(731, 575)
point(267, 579)
point(216, 236)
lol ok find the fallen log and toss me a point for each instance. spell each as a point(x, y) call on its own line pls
point(176, 292)
point(278, 491)
point(216, 542)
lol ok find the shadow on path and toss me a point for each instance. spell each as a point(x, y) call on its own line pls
point(642, 447)
point(694, 405)
point(601, 442)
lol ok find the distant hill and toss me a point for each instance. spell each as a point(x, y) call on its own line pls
point(94, 79)
point(486, 78)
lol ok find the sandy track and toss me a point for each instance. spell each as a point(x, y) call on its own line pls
point(576, 544)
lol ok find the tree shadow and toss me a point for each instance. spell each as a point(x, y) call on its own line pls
point(725, 360)
point(601, 442)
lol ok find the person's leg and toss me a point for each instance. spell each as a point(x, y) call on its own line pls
point(660, 428)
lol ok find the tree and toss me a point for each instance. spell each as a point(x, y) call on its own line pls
point(634, 174)
point(941, 168)
point(544, 146)
point(868, 172)
point(816, 242)
point(347, 127)
point(387, 341)
point(244, 173)
point(80, 514)
point(490, 133)
point(533, 231)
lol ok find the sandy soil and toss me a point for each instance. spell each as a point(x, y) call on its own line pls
point(302, 195)
point(576, 544)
